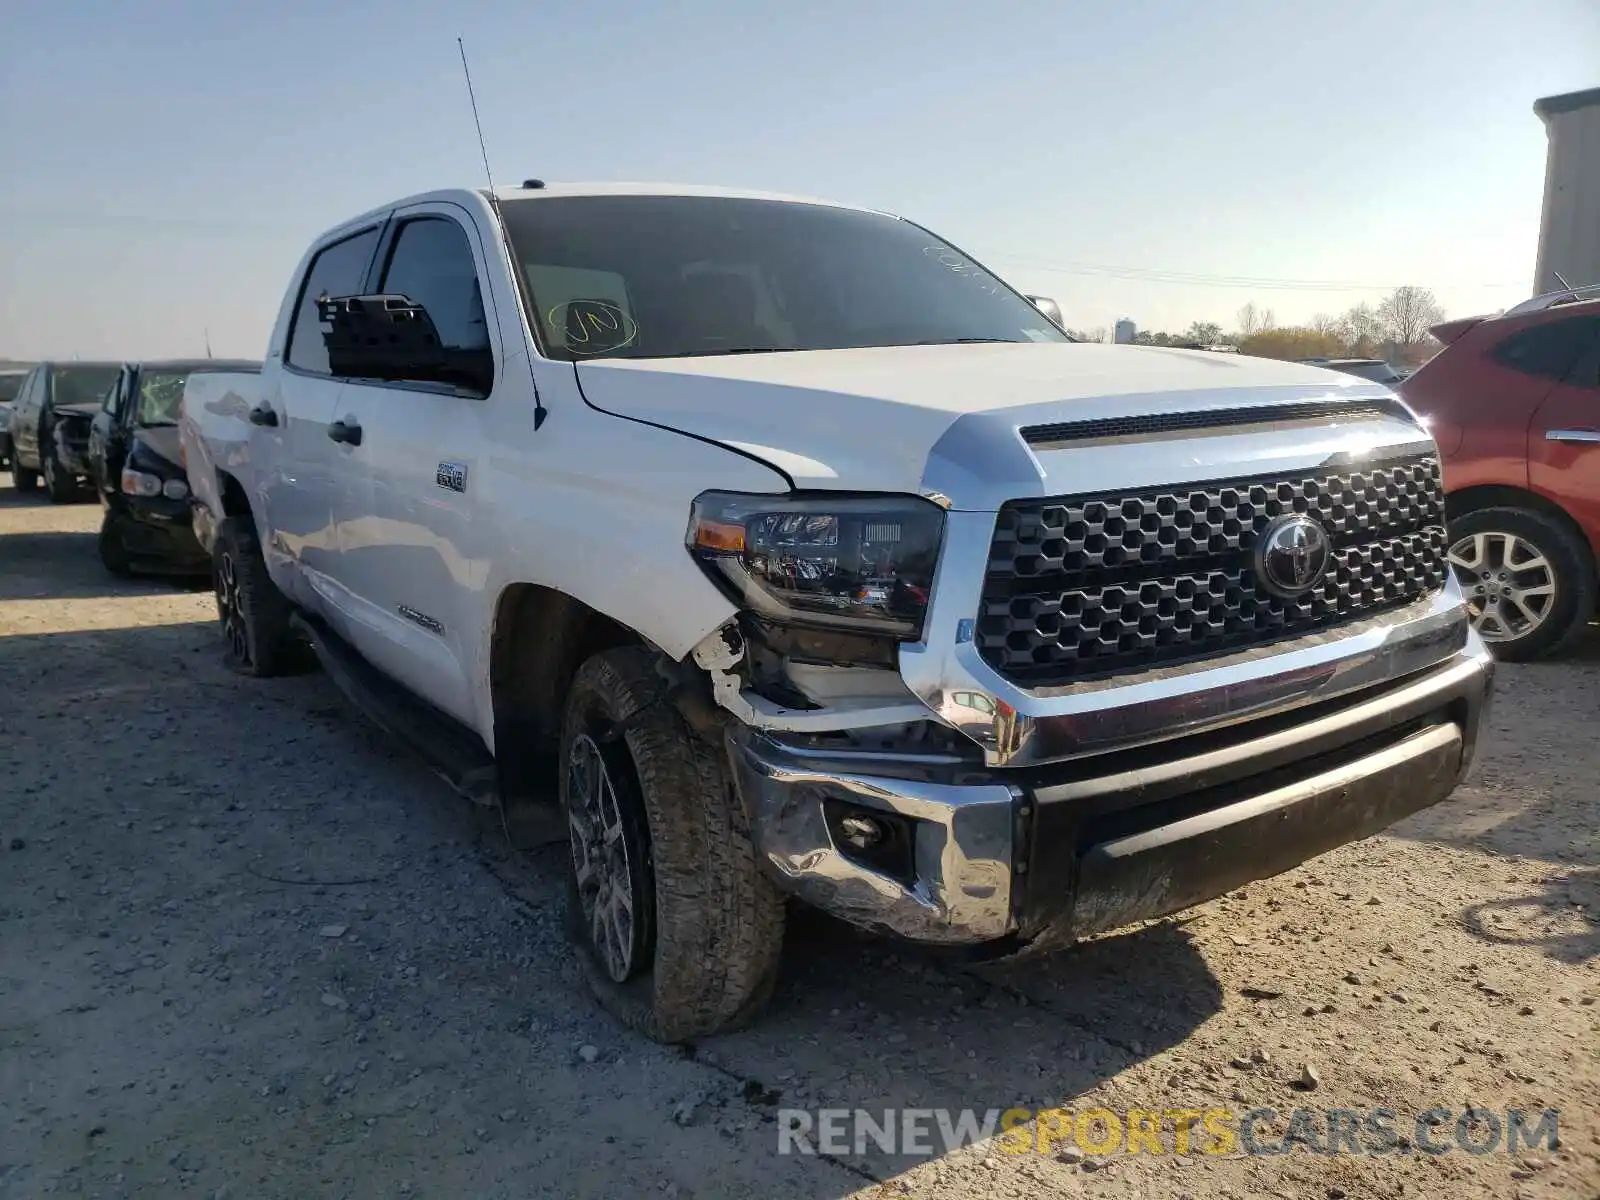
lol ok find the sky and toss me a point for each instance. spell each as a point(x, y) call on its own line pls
point(166, 162)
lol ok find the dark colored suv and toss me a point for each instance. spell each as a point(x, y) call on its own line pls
point(11, 381)
point(50, 425)
point(136, 465)
point(1514, 401)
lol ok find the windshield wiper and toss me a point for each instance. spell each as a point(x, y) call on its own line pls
point(966, 341)
point(733, 350)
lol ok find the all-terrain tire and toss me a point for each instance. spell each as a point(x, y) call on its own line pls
point(252, 611)
point(113, 554)
point(1571, 569)
point(22, 479)
point(709, 957)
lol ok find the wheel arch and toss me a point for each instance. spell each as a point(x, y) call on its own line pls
point(1500, 495)
point(235, 501)
point(539, 638)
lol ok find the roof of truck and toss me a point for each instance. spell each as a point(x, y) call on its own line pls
point(557, 189)
point(652, 189)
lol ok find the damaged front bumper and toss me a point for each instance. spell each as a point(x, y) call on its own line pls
point(945, 848)
point(72, 449)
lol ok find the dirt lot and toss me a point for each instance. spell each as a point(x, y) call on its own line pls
point(249, 949)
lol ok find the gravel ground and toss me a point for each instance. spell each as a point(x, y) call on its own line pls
point(248, 948)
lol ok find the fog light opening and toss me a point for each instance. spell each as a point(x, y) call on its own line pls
point(880, 841)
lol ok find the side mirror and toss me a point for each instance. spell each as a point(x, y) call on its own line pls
point(390, 338)
point(1050, 309)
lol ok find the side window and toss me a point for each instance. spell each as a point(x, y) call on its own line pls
point(30, 385)
point(1548, 350)
point(337, 270)
point(34, 396)
point(431, 265)
point(113, 401)
point(1586, 374)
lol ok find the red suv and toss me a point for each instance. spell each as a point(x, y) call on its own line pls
point(1514, 401)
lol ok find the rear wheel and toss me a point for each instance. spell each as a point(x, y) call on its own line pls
point(1528, 579)
point(678, 931)
point(252, 611)
point(22, 479)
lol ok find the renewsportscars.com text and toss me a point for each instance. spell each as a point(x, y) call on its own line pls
point(842, 1132)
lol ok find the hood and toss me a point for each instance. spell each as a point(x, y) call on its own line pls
point(870, 419)
point(161, 442)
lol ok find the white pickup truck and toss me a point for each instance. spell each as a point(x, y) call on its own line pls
point(829, 568)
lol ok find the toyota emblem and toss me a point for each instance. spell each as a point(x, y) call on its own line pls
point(1292, 556)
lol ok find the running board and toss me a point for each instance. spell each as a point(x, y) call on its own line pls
point(454, 752)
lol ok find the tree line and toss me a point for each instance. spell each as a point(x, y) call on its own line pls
point(1396, 329)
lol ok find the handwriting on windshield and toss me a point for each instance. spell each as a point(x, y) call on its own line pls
point(594, 326)
point(956, 264)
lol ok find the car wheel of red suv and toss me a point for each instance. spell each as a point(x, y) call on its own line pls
point(1529, 581)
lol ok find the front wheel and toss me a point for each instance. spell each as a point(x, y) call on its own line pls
point(113, 554)
point(1529, 580)
point(253, 613)
point(22, 479)
point(678, 932)
point(59, 484)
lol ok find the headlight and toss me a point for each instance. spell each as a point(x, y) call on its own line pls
point(142, 483)
point(138, 483)
point(858, 562)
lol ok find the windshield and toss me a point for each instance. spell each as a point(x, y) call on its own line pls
point(160, 398)
point(678, 276)
point(10, 385)
point(81, 385)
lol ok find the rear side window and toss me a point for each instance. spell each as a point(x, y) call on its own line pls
point(431, 265)
point(1548, 350)
point(337, 270)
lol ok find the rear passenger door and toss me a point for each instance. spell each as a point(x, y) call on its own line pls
point(25, 417)
point(304, 467)
point(410, 554)
point(1564, 438)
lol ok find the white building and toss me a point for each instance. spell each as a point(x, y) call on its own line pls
point(1125, 331)
point(1569, 230)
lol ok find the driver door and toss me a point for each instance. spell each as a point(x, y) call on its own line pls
point(108, 436)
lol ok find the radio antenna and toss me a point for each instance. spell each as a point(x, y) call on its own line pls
point(483, 146)
point(539, 410)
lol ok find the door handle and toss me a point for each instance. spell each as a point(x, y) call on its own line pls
point(262, 415)
point(347, 432)
point(1572, 435)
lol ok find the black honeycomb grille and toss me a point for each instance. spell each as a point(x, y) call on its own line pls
point(1079, 587)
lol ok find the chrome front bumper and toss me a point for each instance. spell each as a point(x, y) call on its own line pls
point(1314, 750)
